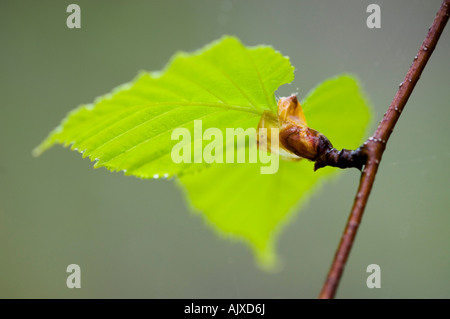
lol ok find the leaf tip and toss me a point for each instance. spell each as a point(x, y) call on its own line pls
point(268, 260)
point(37, 151)
point(41, 148)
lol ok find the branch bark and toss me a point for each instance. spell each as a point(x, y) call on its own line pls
point(374, 147)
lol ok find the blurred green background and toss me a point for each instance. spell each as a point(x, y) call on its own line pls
point(135, 238)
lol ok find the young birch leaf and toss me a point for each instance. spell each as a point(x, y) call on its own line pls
point(239, 200)
point(225, 85)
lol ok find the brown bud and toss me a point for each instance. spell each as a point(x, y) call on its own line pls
point(289, 110)
point(296, 139)
point(295, 135)
point(269, 121)
point(304, 141)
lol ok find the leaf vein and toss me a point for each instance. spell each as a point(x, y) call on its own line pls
point(166, 154)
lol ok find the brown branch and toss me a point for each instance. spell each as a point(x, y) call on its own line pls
point(374, 147)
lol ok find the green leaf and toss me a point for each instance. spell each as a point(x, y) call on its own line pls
point(224, 84)
point(240, 201)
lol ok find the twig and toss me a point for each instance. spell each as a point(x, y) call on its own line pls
point(375, 146)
